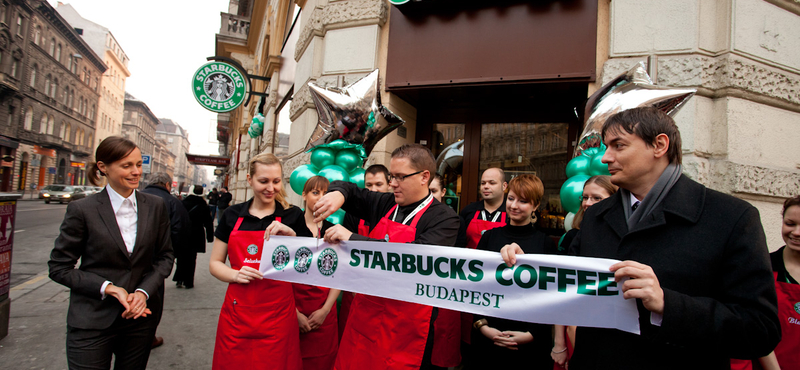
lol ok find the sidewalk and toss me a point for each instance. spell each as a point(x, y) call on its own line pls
point(37, 330)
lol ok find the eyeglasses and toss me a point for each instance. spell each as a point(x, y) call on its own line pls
point(400, 178)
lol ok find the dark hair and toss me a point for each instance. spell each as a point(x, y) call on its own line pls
point(110, 150)
point(225, 187)
point(438, 178)
point(198, 189)
point(419, 157)
point(601, 181)
point(378, 168)
point(528, 187)
point(791, 202)
point(647, 123)
point(316, 182)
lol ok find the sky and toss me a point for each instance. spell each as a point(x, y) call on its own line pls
point(166, 41)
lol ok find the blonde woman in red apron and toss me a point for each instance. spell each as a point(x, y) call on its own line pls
point(383, 333)
point(786, 267)
point(316, 306)
point(258, 322)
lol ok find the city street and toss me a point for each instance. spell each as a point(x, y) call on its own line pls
point(37, 328)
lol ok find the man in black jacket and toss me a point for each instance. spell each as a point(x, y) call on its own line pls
point(200, 232)
point(224, 201)
point(695, 260)
point(160, 185)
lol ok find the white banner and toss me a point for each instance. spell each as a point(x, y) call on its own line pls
point(545, 289)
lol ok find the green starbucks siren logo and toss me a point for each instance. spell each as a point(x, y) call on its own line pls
point(219, 87)
point(327, 262)
point(252, 249)
point(797, 307)
point(302, 259)
point(280, 257)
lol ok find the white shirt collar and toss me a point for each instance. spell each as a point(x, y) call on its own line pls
point(117, 199)
point(633, 199)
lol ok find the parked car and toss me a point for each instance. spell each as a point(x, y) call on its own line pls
point(64, 193)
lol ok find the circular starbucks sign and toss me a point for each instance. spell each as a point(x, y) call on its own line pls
point(302, 259)
point(327, 262)
point(280, 257)
point(219, 87)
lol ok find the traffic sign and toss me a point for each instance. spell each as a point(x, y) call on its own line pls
point(145, 163)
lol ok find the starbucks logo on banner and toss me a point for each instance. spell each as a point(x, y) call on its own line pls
point(302, 259)
point(280, 257)
point(252, 249)
point(327, 262)
point(219, 87)
point(797, 307)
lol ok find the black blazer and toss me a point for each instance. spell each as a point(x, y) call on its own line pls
point(90, 233)
point(710, 255)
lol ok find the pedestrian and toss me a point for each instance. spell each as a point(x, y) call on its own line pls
point(223, 202)
point(514, 343)
point(200, 232)
point(383, 333)
point(160, 185)
point(258, 322)
point(595, 189)
point(694, 259)
point(786, 269)
point(213, 198)
point(437, 187)
point(121, 238)
point(316, 306)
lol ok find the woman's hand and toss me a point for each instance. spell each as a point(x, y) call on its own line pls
point(302, 321)
point(318, 317)
point(120, 294)
point(246, 274)
point(559, 357)
point(509, 252)
point(510, 339)
point(336, 234)
point(277, 228)
point(137, 303)
point(489, 332)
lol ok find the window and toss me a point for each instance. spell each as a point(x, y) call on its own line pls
point(54, 88)
point(43, 124)
point(14, 68)
point(52, 47)
point(58, 53)
point(37, 35)
point(27, 123)
point(65, 131)
point(47, 86)
point(74, 66)
point(33, 75)
point(91, 112)
point(19, 25)
point(51, 125)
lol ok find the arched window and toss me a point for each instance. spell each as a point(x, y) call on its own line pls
point(71, 99)
point(54, 88)
point(27, 123)
point(91, 112)
point(37, 35)
point(47, 85)
point(52, 47)
point(58, 53)
point(34, 70)
point(43, 124)
point(90, 142)
point(51, 125)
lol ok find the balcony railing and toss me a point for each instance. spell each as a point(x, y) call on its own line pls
point(235, 26)
point(51, 140)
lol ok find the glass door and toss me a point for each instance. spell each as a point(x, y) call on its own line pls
point(448, 148)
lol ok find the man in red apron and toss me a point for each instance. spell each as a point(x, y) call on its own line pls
point(384, 333)
point(376, 178)
point(476, 218)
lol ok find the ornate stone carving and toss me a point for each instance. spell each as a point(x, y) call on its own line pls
point(290, 164)
point(361, 12)
point(300, 101)
point(758, 180)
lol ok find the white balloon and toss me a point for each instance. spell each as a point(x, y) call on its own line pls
point(568, 221)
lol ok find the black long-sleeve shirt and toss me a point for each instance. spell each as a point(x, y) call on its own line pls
point(437, 226)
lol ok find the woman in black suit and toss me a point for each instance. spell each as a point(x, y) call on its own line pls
point(122, 239)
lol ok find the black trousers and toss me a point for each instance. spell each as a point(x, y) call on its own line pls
point(186, 262)
point(128, 340)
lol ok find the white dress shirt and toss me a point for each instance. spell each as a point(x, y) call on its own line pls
point(126, 211)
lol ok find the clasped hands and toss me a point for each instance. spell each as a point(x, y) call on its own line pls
point(135, 303)
point(638, 280)
point(312, 322)
point(507, 339)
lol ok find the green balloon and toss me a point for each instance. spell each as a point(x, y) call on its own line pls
point(348, 159)
point(578, 166)
point(334, 173)
point(338, 144)
point(322, 157)
point(597, 167)
point(571, 193)
point(590, 152)
point(337, 217)
point(357, 177)
point(299, 177)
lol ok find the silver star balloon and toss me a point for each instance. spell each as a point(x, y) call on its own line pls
point(632, 89)
point(351, 114)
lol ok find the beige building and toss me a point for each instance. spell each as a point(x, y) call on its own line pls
point(509, 80)
point(112, 84)
point(177, 141)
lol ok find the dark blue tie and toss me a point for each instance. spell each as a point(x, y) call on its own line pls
point(634, 206)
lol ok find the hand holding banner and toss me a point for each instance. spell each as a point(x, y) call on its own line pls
point(547, 289)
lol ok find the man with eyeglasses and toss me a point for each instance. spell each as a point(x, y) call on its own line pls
point(384, 333)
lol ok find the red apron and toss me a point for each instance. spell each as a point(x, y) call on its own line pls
point(789, 314)
point(390, 334)
point(475, 230)
point(319, 346)
point(257, 324)
point(347, 297)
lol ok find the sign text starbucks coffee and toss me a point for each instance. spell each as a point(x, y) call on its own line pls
point(219, 87)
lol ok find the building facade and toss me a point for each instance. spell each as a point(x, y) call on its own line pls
point(139, 125)
point(506, 78)
point(56, 129)
point(177, 142)
point(112, 84)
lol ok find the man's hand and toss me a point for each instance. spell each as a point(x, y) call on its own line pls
point(277, 228)
point(137, 303)
point(329, 203)
point(336, 234)
point(642, 283)
point(246, 274)
point(302, 321)
point(509, 253)
point(317, 318)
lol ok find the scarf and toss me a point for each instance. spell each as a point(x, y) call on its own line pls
point(653, 198)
